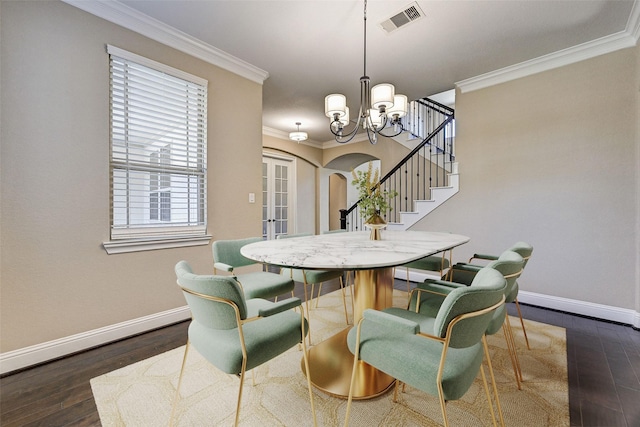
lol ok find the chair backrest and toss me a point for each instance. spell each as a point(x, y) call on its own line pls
point(487, 289)
point(210, 313)
point(523, 249)
point(510, 264)
point(228, 251)
point(289, 236)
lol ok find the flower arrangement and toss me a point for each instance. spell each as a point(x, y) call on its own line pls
point(373, 200)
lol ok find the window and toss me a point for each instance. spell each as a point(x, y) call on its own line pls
point(158, 150)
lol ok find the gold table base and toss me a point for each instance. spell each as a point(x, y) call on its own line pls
point(331, 362)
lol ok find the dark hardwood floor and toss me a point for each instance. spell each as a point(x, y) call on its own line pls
point(603, 365)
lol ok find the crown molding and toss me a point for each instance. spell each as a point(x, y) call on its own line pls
point(621, 40)
point(633, 24)
point(276, 133)
point(131, 19)
point(332, 143)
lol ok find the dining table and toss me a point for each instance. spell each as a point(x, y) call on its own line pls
point(373, 262)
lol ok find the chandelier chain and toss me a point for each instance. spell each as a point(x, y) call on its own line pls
point(379, 106)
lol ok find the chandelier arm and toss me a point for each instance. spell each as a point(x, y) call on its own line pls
point(364, 117)
point(341, 138)
point(372, 135)
point(402, 129)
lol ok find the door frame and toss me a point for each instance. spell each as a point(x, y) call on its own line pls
point(292, 189)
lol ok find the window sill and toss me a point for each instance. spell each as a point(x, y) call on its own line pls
point(138, 245)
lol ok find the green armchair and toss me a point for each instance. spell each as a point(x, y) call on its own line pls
point(257, 284)
point(235, 334)
point(435, 263)
point(428, 297)
point(440, 356)
point(314, 277)
point(463, 275)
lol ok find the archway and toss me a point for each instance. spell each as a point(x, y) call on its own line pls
point(335, 187)
point(337, 199)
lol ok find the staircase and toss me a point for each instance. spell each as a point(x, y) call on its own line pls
point(427, 177)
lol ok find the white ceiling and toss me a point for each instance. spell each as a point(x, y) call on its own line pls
point(313, 48)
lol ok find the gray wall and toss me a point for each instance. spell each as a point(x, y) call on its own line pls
point(553, 159)
point(57, 280)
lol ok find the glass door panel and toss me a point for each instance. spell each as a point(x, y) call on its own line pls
point(275, 197)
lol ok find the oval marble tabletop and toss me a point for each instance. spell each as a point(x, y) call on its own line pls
point(352, 250)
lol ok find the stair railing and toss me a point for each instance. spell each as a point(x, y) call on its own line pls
point(425, 167)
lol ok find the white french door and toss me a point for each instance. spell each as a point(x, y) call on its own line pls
point(277, 197)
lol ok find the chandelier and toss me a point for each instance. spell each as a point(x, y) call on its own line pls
point(298, 136)
point(380, 107)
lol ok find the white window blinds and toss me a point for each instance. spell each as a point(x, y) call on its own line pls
point(158, 149)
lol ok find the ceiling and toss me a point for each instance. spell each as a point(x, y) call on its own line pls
point(313, 48)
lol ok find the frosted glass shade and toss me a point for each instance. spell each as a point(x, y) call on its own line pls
point(335, 104)
point(298, 136)
point(399, 106)
point(376, 118)
point(382, 95)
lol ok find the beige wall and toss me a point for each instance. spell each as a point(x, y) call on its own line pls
point(337, 199)
point(57, 280)
point(388, 151)
point(310, 154)
point(552, 159)
point(307, 162)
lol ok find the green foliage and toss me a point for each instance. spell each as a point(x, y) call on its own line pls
point(372, 200)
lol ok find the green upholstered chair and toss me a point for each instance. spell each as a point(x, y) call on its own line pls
point(235, 334)
point(435, 263)
point(313, 277)
point(523, 249)
point(257, 284)
point(440, 356)
point(509, 264)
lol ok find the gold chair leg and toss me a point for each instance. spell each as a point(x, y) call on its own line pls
point(489, 401)
point(344, 301)
point(306, 367)
point(177, 396)
point(510, 349)
point(493, 379)
point(350, 282)
point(313, 286)
point(306, 301)
point(242, 372)
point(522, 323)
point(408, 285)
point(514, 354)
point(443, 405)
point(356, 357)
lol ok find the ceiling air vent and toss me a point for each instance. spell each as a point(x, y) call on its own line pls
point(409, 14)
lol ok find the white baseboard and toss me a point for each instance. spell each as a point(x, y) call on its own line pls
point(584, 308)
point(29, 356)
point(39, 353)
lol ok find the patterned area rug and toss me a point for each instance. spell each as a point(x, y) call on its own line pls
point(142, 394)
